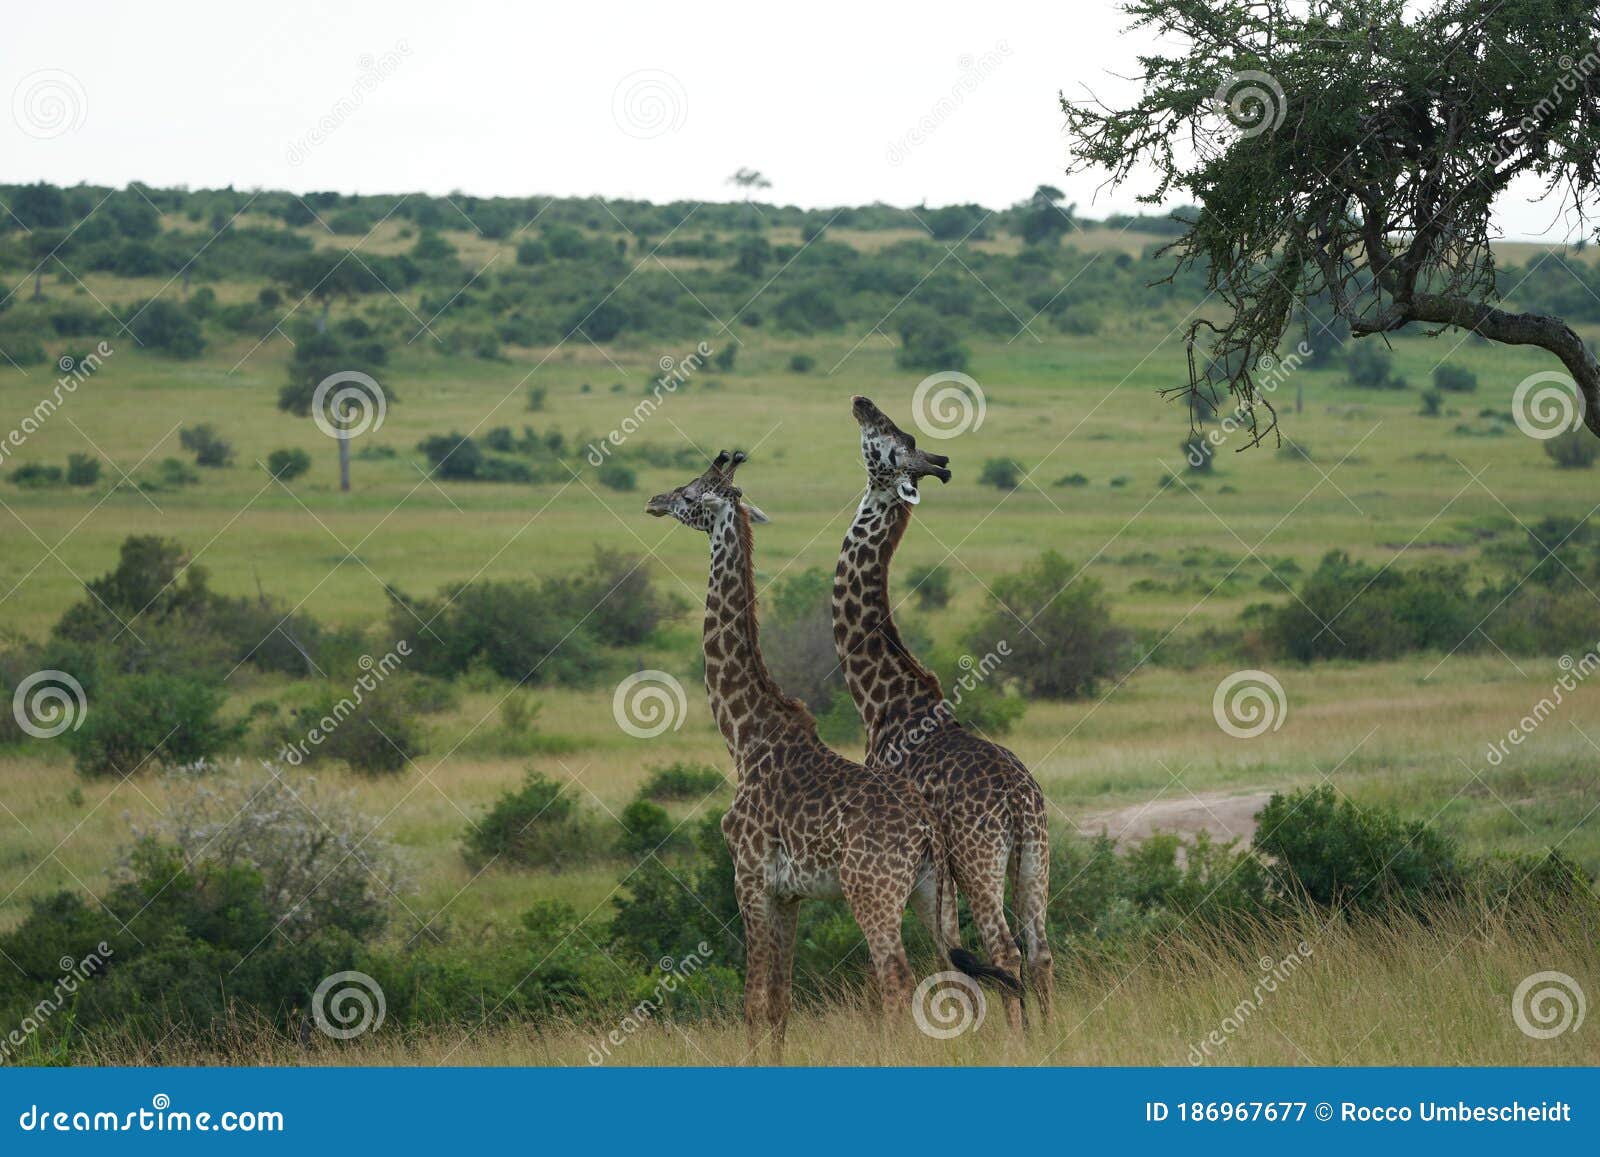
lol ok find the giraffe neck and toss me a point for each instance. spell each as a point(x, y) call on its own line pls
point(890, 687)
point(750, 708)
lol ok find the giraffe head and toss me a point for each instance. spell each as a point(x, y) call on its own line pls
point(699, 503)
point(894, 464)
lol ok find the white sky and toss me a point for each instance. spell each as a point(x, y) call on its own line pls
point(521, 99)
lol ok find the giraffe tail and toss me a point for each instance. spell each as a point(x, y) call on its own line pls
point(964, 961)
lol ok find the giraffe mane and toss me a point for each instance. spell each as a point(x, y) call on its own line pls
point(747, 580)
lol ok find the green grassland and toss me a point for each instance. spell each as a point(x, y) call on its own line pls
point(1381, 481)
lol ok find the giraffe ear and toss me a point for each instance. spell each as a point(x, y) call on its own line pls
point(907, 490)
point(755, 512)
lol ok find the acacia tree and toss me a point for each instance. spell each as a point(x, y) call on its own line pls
point(1347, 152)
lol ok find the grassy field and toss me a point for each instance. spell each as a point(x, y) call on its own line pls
point(1382, 481)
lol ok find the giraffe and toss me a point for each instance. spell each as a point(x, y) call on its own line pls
point(990, 809)
point(805, 823)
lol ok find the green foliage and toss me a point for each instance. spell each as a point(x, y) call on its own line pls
point(1454, 379)
point(1572, 450)
point(682, 781)
point(928, 342)
point(82, 470)
point(1058, 626)
point(1338, 854)
point(1002, 473)
point(797, 637)
point(371, 726)
point(647, 830)
point(932, 586)
point(138, 720)
point(164, 326)
point(802, 364)
point(36, 476)
point(208, 447)
point(1432, 403)
point(616, 476)
point(537, 825)
point(1370, 366)
point(288, 464)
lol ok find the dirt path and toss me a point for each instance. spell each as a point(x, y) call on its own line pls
point(1225, 815)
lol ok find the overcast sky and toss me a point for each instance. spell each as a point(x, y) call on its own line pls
point(836, 103)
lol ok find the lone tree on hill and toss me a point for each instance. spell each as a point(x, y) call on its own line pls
point(1347, 151)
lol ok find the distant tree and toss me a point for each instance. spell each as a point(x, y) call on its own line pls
point(927, 342)
point(1352, 150)
point(1041, 220)
point(752, 255)
point(166, 326)
point(1573, 450)
point(1453, 379)
point(1371, 367)
point(331, 376)
point(208, 447)
point(749, 180)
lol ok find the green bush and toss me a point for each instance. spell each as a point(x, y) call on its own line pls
point(802, 363)
point(1573, 450)
point(537, 825)
point(1451, 379)
point(138, 720)
point(647, 830)
point(1338, 854)
point(680, 781)
point(1058, 627)
point(927, 342)
point(616, 476)
point(82, 470)
point(36, 476)
point(208, 447)
point(373, 730)
point(932, 585)
point(165, 326)
point(1002, 473)
point(1370, 366)
point(286, 465)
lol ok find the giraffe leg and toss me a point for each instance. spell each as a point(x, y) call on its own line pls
point(877, 904)
point(1032, 897)
point(755, 907)
point(926, 903)
point(780, 978)
point(984, 886)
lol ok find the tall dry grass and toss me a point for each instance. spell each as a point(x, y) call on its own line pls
point(1398, 992)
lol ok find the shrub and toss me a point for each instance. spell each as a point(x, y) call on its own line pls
point(932, 584)
point(802, 364)
point(535, 826)
point(374, 729)
point(1432, 404)
point(286, 465)
point(36, 476)
point(677, 781)
point(647, 830)
point(616, 476)
point(1058, 627)
point(797, 638)
point(976, 695)
point(1574, 450)
point(1370, 366)
point(82, 470)
point(928, 343)
point(165, 326)
point(160, 719)
point(1071, 480)
point(1002, 473)
point(208, 447)
point(322, 861)
point(1338, 854)
point(1199, 455)
point(1452, 379)
point(1351, 610)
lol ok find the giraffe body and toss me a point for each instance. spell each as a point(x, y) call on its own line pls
point(805, 823)
point(989, 808)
